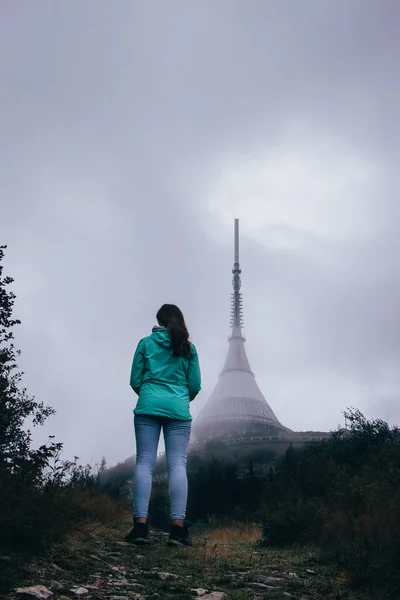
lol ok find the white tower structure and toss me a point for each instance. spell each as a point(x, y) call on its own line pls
point(237, 407)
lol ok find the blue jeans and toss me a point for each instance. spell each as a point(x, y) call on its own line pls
point(176, 437)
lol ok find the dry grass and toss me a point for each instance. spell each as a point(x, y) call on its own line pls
point(238, 533)
point(93, 530)
point(225, 542)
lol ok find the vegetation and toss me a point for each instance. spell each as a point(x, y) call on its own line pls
point(41, 496)
point(17, 458)
point(343, 494)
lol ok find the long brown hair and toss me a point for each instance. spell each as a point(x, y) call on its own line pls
point(171, 317)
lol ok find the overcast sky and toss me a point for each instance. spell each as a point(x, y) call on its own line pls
point(132, 132)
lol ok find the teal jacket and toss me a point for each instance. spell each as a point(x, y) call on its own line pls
point(164, 383)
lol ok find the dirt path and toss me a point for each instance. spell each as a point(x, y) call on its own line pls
point(224, 564)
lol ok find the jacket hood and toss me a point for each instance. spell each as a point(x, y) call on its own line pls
point(161, 336)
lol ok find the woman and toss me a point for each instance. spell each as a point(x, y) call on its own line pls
point(166, 376)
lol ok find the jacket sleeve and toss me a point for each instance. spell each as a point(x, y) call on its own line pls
point(194, 376)
point(137, 370)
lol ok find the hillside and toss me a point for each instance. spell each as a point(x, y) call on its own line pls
point(225, 563)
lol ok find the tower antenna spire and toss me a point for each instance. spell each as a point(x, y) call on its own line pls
point(236, 301)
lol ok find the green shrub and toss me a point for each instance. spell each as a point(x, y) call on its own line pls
point(343, 494)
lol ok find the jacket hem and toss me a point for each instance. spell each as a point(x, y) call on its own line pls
point(162, 415)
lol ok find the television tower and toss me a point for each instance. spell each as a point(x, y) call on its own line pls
point(237, 407)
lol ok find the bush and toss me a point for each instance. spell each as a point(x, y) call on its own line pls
point(17, 457)
point(344, 495)
point(41, 496)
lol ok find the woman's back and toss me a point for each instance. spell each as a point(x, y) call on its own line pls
point(165, 383)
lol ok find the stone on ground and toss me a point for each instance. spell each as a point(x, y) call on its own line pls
point(35, 591)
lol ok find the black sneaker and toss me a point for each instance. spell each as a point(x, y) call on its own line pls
point(138, 535)
point(179, 536)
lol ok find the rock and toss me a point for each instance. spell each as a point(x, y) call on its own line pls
point(287, 595)
point(92, 588)
point(215, 596)
point(120, 569)
point(98, 582)
point(56, 585)
point(293, 576)
point(123, 544)
point(35, 591)
point(272, 579)
point(132, 596)
point(255, 585)
point(199, 591)
point(166, 576)
point(81, 591)
point(57, 568)
point(309, 572)
point(118, 582)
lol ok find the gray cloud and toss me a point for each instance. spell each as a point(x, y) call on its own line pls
point(120, 122)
